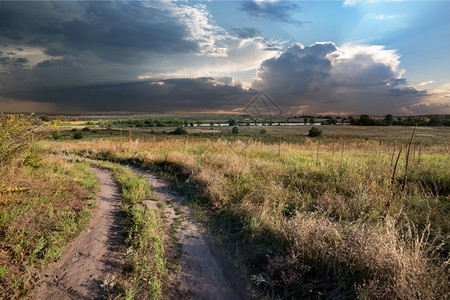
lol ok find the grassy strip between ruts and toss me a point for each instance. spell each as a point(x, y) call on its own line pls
point(37, 223)
point(146, 266)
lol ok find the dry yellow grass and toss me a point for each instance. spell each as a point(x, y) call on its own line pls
point(314, 218)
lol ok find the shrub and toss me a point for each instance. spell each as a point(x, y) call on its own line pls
point(235, 130)
point(315, 132)
point(16, 133)
point(55, 134)
point(77, 135)
point(179, 131)
point(263, 131)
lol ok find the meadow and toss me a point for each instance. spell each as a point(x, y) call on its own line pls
point(358, 213)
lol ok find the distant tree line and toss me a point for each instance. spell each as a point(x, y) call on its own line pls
point(366, 120)
point(362, 120)
point(144, 122)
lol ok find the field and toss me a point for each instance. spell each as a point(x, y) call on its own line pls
point(359, 212)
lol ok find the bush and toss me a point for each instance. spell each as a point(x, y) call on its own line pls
point(315, 132)
point(55, 134)
point(235, 130)
point(263, 131)
point(179, 131)
point(16, 133)
point(77, 135)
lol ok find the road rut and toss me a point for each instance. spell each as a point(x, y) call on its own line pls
point(92, 258)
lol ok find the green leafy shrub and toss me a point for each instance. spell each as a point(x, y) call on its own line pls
point(78, 135)
point(315, 132)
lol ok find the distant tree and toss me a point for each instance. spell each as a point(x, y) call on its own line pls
point(305, 120)
point(315, 132)
point(388, 119)
point(312, 120)
point(232, 122)
point(365, 120)
point(235, 130)
point(435, 121)
point(352, 120)
point(139, 123)
point(331, 121)
point(211, 123)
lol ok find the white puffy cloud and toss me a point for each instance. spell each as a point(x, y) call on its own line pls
point(325, 78)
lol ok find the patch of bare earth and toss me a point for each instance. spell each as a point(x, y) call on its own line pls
point(206, 270)
point(92, 258)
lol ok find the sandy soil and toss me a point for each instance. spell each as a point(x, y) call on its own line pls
point(206, 272)
point(89, 262)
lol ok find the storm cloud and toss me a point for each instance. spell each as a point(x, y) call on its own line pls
point(202, 94)
point(324, 78)
point(172, 56)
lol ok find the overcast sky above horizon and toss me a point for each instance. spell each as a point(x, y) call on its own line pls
point(314, 57)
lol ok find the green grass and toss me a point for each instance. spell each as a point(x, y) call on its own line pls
point(146, 267)
point(36, 225)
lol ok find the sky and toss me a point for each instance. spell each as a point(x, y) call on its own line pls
point(310, 57)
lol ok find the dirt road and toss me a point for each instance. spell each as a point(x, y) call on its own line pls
point(91, 259)
point(206, 273)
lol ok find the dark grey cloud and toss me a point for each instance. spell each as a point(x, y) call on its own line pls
point(324, 78)
point(116, 31)
point(181, 94)
point(277, 11)
point(8, 61)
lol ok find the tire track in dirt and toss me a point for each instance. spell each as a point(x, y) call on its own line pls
point(92, 258)
point(205, 272)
